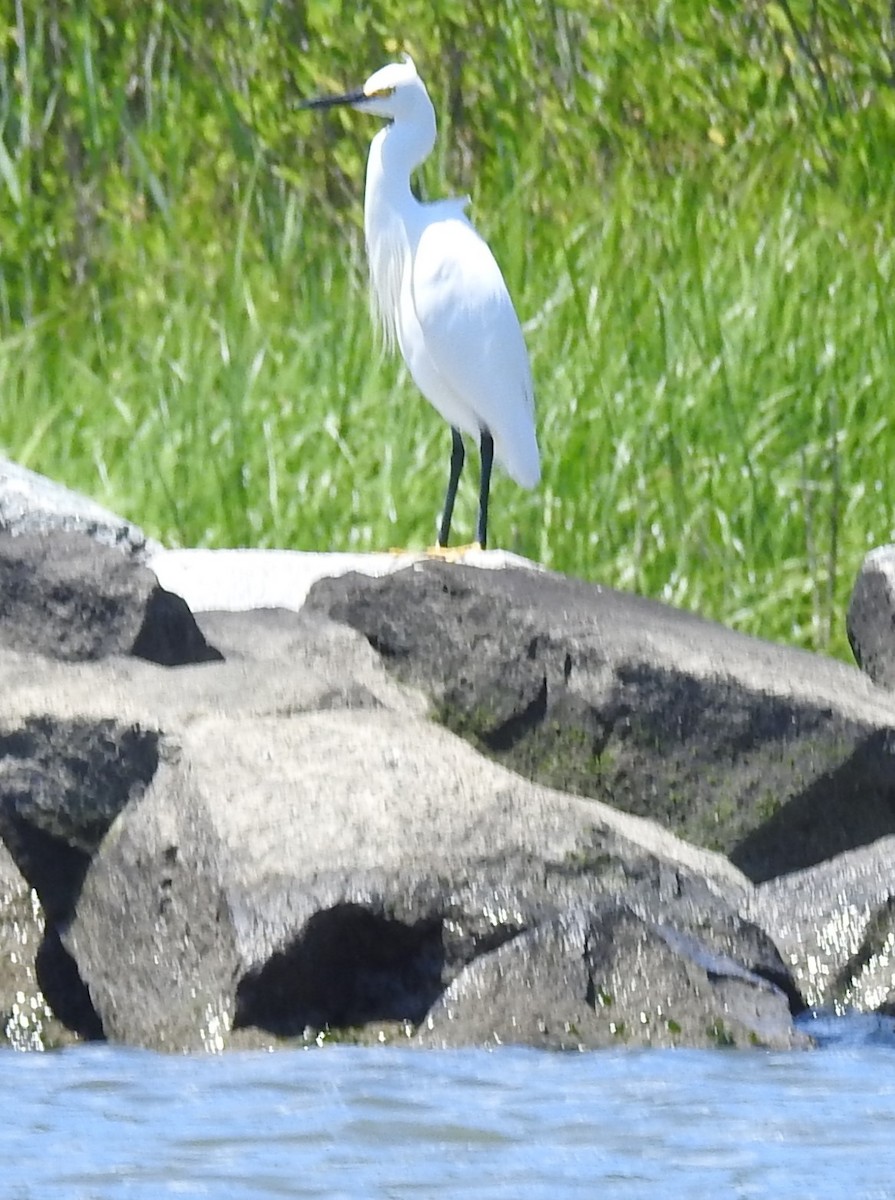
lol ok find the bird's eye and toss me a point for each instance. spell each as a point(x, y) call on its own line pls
point(381, 93)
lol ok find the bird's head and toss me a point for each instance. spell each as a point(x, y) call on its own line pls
point(394, 92)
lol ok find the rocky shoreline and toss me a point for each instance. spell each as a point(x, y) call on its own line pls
point(430, 802)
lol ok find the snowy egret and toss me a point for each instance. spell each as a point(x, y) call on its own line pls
point(440, 295)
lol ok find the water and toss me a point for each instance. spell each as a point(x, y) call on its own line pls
point(99, 1122)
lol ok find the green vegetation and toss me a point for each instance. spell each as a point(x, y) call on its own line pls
point(692, 204)
point(720, 1036)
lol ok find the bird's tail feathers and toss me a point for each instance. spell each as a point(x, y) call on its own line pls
point(520, 459)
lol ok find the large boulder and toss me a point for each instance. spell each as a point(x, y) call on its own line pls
point(835, 926)
point(67, 596)
point(773, 756)
point(605, 976)
point(371, 860)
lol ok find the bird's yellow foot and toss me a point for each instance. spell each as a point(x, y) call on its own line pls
point(444, 553)
point(451, 553)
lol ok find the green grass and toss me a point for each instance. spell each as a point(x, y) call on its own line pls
point(693, 214)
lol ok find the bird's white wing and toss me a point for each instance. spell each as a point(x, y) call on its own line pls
point(473, 339)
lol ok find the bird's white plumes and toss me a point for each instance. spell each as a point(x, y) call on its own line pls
point(397, 93)
point(387, 256)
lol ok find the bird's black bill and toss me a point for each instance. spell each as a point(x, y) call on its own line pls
point(333, 101)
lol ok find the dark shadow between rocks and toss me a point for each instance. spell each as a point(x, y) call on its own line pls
point(62, 784)
point(851, 806)
point(170, 636)
point(64, 989)
point(56, 872)
point(50, 865)
point(349, 967)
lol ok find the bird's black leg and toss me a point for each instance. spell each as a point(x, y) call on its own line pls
point(458, 454)
point(487, 449)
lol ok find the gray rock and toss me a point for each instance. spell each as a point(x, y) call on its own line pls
point(773, 756)
point(871, 617)
point(22, 1005)
point(607, 977)
point(66, 596)
point(27, 1018)
point(834, 924)
point(276, 663)
point(32, 504)
point(313, 892)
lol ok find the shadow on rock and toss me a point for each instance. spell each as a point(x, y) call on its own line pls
point(65, 991)
point(852, 805)
point(62, 784)
point(349, 967)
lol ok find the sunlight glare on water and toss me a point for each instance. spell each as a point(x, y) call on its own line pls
point(100, 1122)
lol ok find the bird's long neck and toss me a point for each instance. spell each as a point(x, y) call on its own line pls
point(390, 208)
point(395, 152)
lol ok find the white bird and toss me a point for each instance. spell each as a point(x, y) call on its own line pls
point(439, 293)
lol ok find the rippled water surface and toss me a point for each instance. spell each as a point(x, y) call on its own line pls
point(102, 1122)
